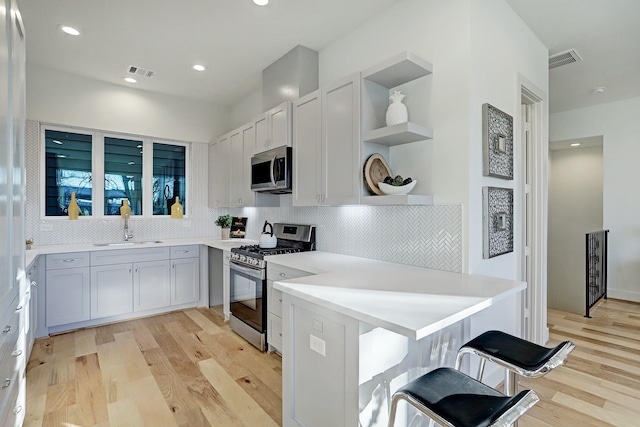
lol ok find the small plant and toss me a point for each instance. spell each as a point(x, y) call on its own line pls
point(224, 221)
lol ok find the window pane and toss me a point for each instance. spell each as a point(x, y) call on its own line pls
point(122, 175)
point(168, 177)
point(68, 169)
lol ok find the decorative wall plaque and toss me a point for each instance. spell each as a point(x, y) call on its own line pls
point(497, 142)
point(497, 215)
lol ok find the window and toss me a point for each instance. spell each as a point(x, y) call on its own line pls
point(122, 175)
point(68, 159)
point(104, 170)
point(168, 177)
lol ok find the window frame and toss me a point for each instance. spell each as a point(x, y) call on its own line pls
point(98, 172)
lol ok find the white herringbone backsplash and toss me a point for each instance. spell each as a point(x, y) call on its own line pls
point(426, 236)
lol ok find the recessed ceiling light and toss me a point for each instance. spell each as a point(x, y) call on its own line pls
point(130, 80)
point(598, 90)
point(575, 144)
point(261, 2)
point(55, 141)
point(69, 30)
point(198, 67)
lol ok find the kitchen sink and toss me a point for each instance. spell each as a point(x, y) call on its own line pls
point(146, 242)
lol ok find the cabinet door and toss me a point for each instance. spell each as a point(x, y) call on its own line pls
point(280, 125)
point(185, 280)
point(235, 159)
point(249, 149)
point(307, 146)
point(224, 172)
point(341, 142)
point(261, 129)
point(214, 174)
point(151, 285)
point(67, 296)
point(111, 290)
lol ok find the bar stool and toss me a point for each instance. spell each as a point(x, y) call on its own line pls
point(518, 356)
point(454, 399)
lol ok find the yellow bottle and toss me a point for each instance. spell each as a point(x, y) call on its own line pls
point(125, 209)
point(73, 208)
point(176, 209)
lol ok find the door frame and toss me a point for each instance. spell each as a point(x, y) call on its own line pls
point(535, 303)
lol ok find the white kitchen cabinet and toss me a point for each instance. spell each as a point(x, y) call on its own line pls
point(226, 285)
point(273, 128)
point(236, 171)
point(111, 290)
point(274, 302)
point(151, 285)
point(185, 274)
point(333, 122)
point(31, 322)
point(67, 295)
point(219, 172)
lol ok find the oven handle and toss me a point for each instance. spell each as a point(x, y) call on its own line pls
point(258, 273)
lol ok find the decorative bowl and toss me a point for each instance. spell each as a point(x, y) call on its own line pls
point(392, 189)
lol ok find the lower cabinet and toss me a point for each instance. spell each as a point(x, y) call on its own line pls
point(82, 287)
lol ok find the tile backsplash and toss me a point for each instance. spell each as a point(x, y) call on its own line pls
point(426, 236)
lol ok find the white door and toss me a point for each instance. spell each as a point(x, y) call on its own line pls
point(307, 150)
point(111, 290)
point(151, 285)
point(185, 280)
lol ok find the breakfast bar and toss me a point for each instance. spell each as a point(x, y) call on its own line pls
point(359, 329)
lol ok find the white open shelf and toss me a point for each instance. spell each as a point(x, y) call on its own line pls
point(398, 70)
point(402, 133)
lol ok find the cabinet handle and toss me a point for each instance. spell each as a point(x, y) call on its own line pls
point(16, 353)
point(17, 410)
point(34, 284)
point(283, 275)
point(129, 269)
point(7, 383)
point(280, 334)
point(173, 265)
point(68, 260)
point(18, 308)
point(6, 329)
point(280, 299)
point(136, 269)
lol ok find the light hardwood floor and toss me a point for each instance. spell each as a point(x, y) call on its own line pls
point(188, 369)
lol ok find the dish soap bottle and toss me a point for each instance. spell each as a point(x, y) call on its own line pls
point(125, 209)
point(73, 208)
point(176, 209)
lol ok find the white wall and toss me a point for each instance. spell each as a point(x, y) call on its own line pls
point(621, 175)
point(61, 98)
point(575, 208)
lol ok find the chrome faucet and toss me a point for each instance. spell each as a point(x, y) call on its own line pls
point(128, 234)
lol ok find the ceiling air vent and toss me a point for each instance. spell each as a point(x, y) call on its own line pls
point(140, 71)
point(564, 58)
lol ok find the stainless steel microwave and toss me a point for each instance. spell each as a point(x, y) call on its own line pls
point(271, 171)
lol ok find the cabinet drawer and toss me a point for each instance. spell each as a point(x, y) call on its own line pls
point(274, 299)
point(9, 329)
point(67, 260)
point(10, 410)
point(121, 256)
point(187, 251)
point(274, 331)
point(279, 272)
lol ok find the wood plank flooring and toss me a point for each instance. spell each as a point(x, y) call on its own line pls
point(188, 369)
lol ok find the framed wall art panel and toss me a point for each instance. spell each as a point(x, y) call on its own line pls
point(497, 142)
point(497, 215)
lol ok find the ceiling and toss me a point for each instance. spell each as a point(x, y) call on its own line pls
point(606, 34)
point(236, 40)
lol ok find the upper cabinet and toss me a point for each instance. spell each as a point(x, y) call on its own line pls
point(409, 74)
point(326, 129)
point(273, 128)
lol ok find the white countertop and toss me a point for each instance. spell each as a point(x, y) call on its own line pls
point(212, 242)
point(411, 301)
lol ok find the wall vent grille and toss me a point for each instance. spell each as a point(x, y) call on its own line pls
point(564, 58)
point(132, 69)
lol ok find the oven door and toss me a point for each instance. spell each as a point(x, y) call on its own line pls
point(248, 294)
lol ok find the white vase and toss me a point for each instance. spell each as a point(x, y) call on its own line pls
point(225, 234)
point(397, 111)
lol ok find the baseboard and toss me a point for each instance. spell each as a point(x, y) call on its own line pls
point(624, 295)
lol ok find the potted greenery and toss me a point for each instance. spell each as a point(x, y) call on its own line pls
point(224, 221)
point(29, 243)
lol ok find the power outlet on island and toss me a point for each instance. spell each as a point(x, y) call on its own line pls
point(317, 345)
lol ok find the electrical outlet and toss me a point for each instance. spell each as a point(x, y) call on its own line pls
point(186, 223)
point(46, 227)
point(317, 345)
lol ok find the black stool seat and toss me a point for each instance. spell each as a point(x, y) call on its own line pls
point(526, 358)
point(454, 399)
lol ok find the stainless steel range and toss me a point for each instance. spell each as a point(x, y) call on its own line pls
point(248, 279)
